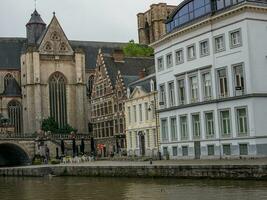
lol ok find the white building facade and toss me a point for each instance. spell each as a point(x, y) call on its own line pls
point(211, 69)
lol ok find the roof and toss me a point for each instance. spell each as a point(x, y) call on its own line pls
point(10, 52)
point(129, 69)
point(143, 83)
point(91, 50)
point(36, 18)
point(12, 48)
point(12, 89)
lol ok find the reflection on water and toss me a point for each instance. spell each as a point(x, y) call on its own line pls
point(128, 188)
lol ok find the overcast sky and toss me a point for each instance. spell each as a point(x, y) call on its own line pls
point(94, 20)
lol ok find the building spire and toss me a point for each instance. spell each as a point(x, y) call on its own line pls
point(35, 4)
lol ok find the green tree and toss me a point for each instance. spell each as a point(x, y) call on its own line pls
point(50, 124)
point(133, 49)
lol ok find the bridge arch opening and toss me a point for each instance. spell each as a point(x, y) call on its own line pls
point(13, 155)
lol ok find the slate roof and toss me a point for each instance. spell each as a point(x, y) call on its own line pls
point(12, 89)
point(129, 69)
point(10, 52)
point(36, 18)
point(144, 83)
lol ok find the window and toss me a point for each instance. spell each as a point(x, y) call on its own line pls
point(211, 150)
point(243, 149)
point(179, 56)
point(8, 79)
point(194, 88)
point(239, 81)
point(135, 115)
point(174, 151)
point(183, 127)
point(129, 114)
point(15, 115)
point(219, 43)
point(140, 112)
point(185, 150)
point(148, 138)
point(209, 122)
point(174, 136)
point(235, 39)
point(162, 95)
point(196, 126)
point(160, 64)
point(171, 94)
point(191, 52)
point(227, 149)
point(169, 61)
point(207, 91)
point(164, 130)
point(155, 137)
point(204, 48)
point(57, 98)
point(136, 140)
point(181, 91)
point(242, 122)
point(165, 151)
point(121, 126)
point(130, 140)
point(223, 84)
point(225, 123)
point(146, 111)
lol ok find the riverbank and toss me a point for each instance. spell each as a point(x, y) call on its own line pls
point(219, 169)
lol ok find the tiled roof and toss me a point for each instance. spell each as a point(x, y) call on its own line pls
point(144, 83)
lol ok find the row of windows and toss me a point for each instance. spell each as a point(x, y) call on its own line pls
point(108, 128)
point(204, 49)
point(102, 109)
point(226, 150)
point(188, 87)
point(196, 9)
point(143, 112)
point(225, 125)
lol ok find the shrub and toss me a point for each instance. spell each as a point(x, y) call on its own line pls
point(133, 49)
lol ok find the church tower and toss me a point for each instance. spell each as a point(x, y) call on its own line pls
point(35, 27)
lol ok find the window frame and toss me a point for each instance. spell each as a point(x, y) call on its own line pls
point(162, 61)
point(230, 123)
point(218, 83)
point(167, 130)
point(203, 85)
point(232, 46)
point(169, 65)
point(205, 121)
point(237, 121)
point(187, 52)
point(182, 56)
point(215, 46)
point(176, 128)
point(208, 48)
point(192, 121)
point(190, 87)
point(234, 78)
point(187, 131)
point(171, 103)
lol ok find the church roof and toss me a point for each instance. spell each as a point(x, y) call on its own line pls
point(12, 89)
point(36, 18)
point(10, 52)
point(131, 66)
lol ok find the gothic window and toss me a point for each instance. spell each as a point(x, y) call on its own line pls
point(15, 115)
point(55, 36)
point(90, 85)
point(8, 78)
point(57, 98)
point(63, 47)
point(48, 46)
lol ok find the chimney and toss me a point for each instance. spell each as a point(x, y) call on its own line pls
point(142, 74)
point(118, 55)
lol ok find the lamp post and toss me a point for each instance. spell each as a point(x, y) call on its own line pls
point(154, 107)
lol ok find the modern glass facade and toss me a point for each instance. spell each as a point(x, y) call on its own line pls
point(190, 10)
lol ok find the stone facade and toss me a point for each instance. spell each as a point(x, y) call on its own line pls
point(151, 26)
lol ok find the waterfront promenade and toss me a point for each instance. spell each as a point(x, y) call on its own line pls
point(226, 169)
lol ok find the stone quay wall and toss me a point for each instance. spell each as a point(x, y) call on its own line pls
point(194, 171)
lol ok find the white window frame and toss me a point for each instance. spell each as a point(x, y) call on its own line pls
point(186, 127)
point(174, 135)
point(196, 135)
point(206, 98)
point(162, 96)
point(218, 83)
point(192, 88)
point(172, 101)
point(203, 54)
point(221, 123)
point(243, 90)
point(177, 62)
point(232, 45)
point(160, 63)
point(189, 57)
point(164, 139)
point(169, 57)
point(180, 102)
point(237, 121)
point(216, 50)
point(206, 124)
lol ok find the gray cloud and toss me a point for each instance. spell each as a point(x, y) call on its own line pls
point(98, 20)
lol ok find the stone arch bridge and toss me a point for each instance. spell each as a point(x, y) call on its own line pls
point(17, 151)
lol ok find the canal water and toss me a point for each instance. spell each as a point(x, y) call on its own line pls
point(61, 188)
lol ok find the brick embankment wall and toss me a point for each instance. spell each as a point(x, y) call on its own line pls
point(196, 171)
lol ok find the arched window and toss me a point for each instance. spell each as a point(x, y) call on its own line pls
point(63, 47)
point(8, 78)
point(48, 46)
point(57, 98)
point(90, 85)
point(15, 115)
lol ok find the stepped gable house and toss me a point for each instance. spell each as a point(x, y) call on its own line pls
point(45, 74)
